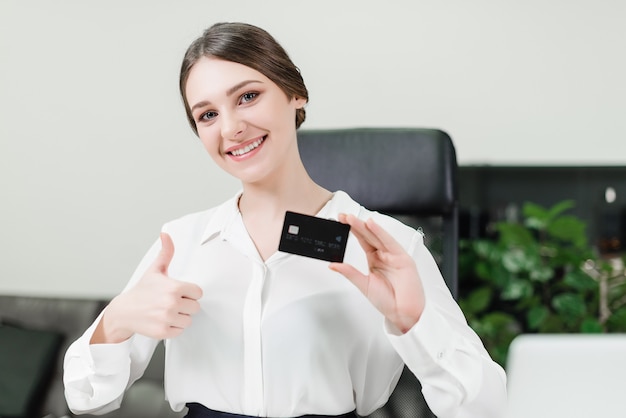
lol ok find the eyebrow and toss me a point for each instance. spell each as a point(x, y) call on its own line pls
point(229, 92)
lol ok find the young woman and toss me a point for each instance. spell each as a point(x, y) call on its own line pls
point(256, 332)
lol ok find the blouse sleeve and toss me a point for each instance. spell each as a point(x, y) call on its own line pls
point(459, 379)
point(96, 375)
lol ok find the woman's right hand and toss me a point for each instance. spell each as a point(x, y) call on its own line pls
point(157, 306)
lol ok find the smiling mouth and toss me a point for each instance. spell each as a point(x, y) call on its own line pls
point(244, 150)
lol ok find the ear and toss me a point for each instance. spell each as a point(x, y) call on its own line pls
point(299, 102)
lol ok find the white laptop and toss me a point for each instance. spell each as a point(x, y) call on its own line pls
point(567, 375)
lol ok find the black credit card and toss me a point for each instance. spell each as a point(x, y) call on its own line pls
point(314, 237)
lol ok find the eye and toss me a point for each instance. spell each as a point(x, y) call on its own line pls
point(248, 97)
point(207, 116)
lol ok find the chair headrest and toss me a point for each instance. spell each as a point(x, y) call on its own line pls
point(402, 171)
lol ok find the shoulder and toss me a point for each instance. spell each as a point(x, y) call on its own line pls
point(190, 220)
point(197, 226)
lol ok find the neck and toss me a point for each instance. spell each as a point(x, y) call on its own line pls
point(264, 202)
point(295, 191)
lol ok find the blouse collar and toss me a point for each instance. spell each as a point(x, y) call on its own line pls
point(226, 213)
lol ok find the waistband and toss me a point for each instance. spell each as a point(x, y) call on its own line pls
point(197, 410)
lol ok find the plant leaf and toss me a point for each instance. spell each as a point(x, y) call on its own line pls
point(514, 235)
point(516, 289)
point(536, 315)
point(579, 280)
point(477, 301)
point(617, 321)
point(483, 269)
point(536, 216)
point(591, 326)
point(514, 260)
point(570, 306)
point(483, 248)
point(552, 324)
point(542, 274)
point(560, 207)
point(569, 229)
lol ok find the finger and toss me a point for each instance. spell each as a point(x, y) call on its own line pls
point(181, 321)
point(188, 307)
point(366, 238)
point(355, 276)
point(190, 291)
point(356, 230)
point(386, 240)
point(163, 260)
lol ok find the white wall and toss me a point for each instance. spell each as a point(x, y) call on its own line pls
point(95, 153)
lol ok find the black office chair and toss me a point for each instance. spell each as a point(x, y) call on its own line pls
point(410, 174)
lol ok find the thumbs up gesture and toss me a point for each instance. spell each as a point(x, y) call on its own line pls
point(158, 306)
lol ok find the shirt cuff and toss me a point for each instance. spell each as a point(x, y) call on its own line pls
point(426, 346)
point(109, 359)
point(102, 359)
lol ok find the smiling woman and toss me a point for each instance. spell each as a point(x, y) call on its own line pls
point(229, 43)
point(238, 120)
point(227, 302)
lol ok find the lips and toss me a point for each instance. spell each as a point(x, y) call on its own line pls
point(238, 152)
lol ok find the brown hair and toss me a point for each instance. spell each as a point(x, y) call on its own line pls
point(251, 46)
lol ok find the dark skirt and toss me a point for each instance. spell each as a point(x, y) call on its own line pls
point(197, 410)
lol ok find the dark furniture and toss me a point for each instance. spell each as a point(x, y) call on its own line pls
point(38, 330)
point(410, 174)
point(34, 335)
point(493, 193)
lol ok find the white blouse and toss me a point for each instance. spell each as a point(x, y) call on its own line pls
point(288, 336)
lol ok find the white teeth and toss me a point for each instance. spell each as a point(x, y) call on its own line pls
point(247, 149)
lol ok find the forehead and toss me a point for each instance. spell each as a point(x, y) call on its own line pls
point(212, 77)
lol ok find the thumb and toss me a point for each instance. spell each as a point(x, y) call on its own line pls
point(355, 276)
point(163, 260)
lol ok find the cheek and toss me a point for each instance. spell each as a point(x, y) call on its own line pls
point(273, 112)
point(210, 141)
point(277, 118)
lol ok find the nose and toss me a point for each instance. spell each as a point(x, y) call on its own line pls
point(232, 126)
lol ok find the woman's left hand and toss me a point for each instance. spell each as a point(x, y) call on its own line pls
point(393, 284)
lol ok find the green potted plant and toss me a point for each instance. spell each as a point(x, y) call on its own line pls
point(539, 275)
